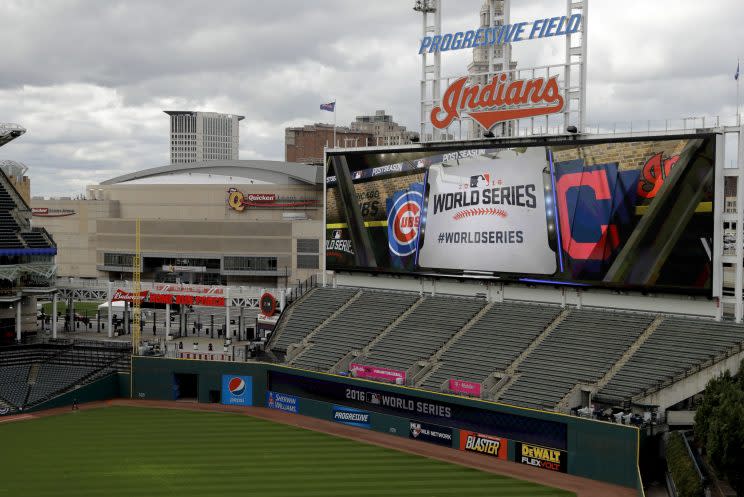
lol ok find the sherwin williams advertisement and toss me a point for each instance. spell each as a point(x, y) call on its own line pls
point(624, 214)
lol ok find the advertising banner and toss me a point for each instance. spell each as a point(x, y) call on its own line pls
point(465, 387)
point(237, 390)
point(623, 213)
point(440, 435)
point(377, 373)
point(167, 298)
point(402, 403)
point(350, 416)
point(282, 402)
point(540, 457)
point(483, 444)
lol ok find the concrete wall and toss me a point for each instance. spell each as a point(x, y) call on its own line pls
point(190, 220)
point(75, 235)
point(594, 297)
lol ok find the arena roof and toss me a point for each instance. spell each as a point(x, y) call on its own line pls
point(10, 131)
point(260, 171)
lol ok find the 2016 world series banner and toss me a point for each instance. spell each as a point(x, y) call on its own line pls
point(629, 214)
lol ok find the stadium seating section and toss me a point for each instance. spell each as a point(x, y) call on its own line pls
point(16, 232)
point(30, 375)
point(524, 354)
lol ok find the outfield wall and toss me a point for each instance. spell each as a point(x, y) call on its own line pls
point(598, 450)
point(110, 386)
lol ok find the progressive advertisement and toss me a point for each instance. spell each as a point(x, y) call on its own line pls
point(623, 214)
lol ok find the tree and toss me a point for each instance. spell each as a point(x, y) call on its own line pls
point(719, 427)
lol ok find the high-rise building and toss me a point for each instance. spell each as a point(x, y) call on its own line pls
point(306, 143)
point(200, 136)
point(383, 128)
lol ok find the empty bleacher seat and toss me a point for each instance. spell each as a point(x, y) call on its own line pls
point(675, 347)
point(492, 343)
point(421, 333)
point(579, 350)
point(354, 328)
point(307, 313)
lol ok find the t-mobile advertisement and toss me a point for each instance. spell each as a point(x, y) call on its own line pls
point(626, 214)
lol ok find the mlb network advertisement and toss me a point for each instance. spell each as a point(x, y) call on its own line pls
point(626, 214)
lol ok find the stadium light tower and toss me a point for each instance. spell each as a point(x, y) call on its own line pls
point(431, 67)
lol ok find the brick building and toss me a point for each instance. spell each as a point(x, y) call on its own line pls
point(305, 144)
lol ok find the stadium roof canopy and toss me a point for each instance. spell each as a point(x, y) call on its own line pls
point(10, 131)
point(218, 171)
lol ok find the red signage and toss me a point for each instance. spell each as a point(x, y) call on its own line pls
point(47, 212)
point(465, 387)
point(120, 295)
point(167, 298)
point(471, 441)
point(498, 100)
point(267, 304)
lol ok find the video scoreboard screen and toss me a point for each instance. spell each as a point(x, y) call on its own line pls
point(630, 214)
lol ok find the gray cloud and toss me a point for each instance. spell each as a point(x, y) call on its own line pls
point(90, 79)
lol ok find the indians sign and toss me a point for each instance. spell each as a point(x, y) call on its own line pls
point(498, 100)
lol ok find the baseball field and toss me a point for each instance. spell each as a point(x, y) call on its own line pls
point(127, 451)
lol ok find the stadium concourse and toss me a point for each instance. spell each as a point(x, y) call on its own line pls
point(525, 354)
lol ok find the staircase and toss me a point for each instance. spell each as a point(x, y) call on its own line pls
point(33, 373)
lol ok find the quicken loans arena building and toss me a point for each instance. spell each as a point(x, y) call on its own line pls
point(238, 222)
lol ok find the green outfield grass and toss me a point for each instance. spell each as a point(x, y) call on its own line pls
point(80, 308)
point(130, 451)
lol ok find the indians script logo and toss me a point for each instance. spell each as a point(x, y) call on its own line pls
point(498, 100)
point(655, 171)
point(404, 219)
point(236, 386)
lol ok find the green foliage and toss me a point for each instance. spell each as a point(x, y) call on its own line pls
point(80, 308)
point(682, 467)
point(719, 427)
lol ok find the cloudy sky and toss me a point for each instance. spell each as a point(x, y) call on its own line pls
point(90, 79)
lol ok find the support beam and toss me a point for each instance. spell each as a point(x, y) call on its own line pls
point(167, 322)
point(109, 319)
point(228, 334)
point(19, 304)
point(54, 315)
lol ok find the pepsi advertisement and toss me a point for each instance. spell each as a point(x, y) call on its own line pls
point(624, 214)
point(237, 390)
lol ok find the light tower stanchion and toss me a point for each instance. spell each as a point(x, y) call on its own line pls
point(137, 287)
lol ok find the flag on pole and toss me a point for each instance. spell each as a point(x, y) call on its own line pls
point(736, 75)
point(330, 106)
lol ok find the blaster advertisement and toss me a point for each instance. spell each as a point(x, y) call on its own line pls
point(624, 214)
point(483, 444)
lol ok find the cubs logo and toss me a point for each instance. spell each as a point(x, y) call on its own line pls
point(404, 218)
point(236, 386)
